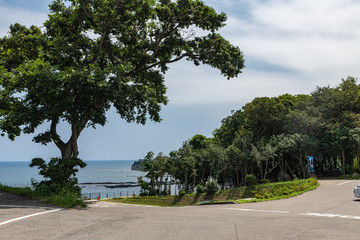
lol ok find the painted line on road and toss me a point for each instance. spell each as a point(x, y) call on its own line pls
point(330, 215)
point(28, 216)
point(339, 184)
point(21, 206)
point(256, 210)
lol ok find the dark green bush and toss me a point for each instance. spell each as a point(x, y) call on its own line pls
point(200, 188)
point(264, 181)
point(182, 192)
point(211, 186)
point(59, 176)
point(250, 180)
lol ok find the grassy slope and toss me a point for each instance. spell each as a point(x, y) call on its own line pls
point(257, 193)
point(62, 200)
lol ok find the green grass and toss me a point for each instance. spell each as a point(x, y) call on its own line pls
point(67, 200)
point(256, 193)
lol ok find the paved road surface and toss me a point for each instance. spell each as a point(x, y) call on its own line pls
point(330, 212)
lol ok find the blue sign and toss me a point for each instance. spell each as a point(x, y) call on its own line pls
point(311, 164)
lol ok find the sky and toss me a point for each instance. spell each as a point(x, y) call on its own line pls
point(289, 47)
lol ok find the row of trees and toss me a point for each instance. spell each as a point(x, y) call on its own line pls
point(271, 138)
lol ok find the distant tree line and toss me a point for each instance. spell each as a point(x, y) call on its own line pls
point(269, 138)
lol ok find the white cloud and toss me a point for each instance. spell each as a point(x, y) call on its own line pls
point(314, 38)
point(313, 43)
point(11, 15)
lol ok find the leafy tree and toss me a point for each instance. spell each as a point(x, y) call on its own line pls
point(265, 155)
point(198, 141)
point(148, 166)
point(230, 126)
point(271, 137)
point(299, 148)
point(187, 167)
point(266, 116)
point(240, 154)
point(95, 54)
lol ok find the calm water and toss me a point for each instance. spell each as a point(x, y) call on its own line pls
point(97, 175)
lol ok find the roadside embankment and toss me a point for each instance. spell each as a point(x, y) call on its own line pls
point(261, 192)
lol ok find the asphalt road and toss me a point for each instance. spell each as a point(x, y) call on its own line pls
point(330, 212)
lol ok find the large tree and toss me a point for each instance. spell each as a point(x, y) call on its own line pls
point(95, 54)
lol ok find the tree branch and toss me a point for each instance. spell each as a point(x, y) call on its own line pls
point(53, 133)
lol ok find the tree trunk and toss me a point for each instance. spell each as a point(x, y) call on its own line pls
point(343, 160)
point(203, 176)
point(237, 177)
point(169, 190)
point(186, 183)
point(160, 184)
point(69, 149)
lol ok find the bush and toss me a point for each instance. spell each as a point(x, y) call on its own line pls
point(250, 180)
point(182, 192)
point(264, 181)
point(68, 200)
point(200, 188)
point(59, 176)
point(211, 187)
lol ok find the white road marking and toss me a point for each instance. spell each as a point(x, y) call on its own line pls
point(28, 216)
point(21, 206)
point(339, 184)
point(255, 210)
point(330, 215)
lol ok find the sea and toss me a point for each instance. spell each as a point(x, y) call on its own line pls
point(99, 179)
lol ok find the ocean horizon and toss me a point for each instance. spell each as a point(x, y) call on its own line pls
point(108, 178)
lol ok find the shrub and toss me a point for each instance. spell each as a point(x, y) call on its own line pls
point(59, 176)
point(200, 188)
point(182, 192)
point(250, 180)
point(68, 200)
point(211, 187)
point(143, 194)
point(264, 181)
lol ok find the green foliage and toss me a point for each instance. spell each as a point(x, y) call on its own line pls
point(92, 55)
point(200, 188)
point(250, 180)
point(264, 181)
point(26, 192)
point(230, 127)
point(67, 200)
point(261, 192)
point(145, 187)
point(156, 168)
point(59, 176)
point(182, 192)
point(198, 142)
point(284, 189)
point(211, 187)
point(272, 138)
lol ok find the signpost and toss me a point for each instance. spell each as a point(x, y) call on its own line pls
point(311, 166)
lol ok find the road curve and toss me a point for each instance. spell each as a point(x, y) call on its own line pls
point(329, 212)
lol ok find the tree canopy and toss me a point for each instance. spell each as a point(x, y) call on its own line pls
point(271, 138)
point(94, 54)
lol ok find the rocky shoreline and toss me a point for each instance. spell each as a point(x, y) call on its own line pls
point(110, 184)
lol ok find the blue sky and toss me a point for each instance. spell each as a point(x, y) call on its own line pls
point(289, 47)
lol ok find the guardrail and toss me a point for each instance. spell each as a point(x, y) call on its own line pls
point(102, 195)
